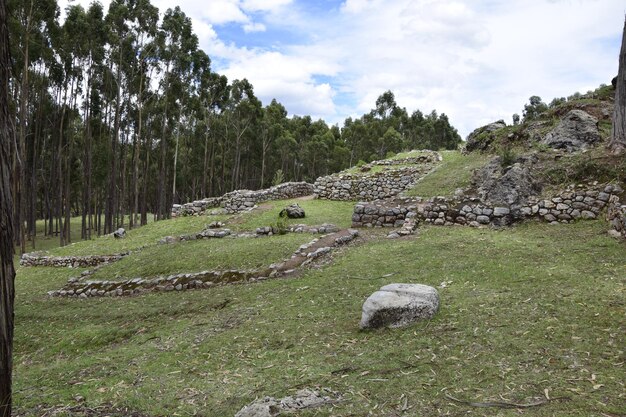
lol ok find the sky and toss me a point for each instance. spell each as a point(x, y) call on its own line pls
point(477, 61)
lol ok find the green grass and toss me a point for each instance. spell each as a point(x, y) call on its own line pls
point(202, 255)
point(317, 212)
point(137, 238)
point(525, 310)
point(454, 172)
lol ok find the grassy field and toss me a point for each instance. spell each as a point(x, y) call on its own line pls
point(204, 255)
point(317, 212)
point(527, 311)
point(455, 171)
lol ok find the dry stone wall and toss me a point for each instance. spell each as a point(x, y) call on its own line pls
point(241, 200)
point(80, 287)
point(34, 259)
point(379, 185)
point(576, 202)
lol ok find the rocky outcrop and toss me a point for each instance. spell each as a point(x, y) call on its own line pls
point(507, 185)
point(577, 130)
point(481, 138)
point(398, 305)
point(242, 200)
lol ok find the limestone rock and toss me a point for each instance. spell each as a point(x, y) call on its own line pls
point(397, 305)
point(293, 211)
point(119, 233)
point(577, 130)
point(271, 407)
point(506, 186)
point(481, 138)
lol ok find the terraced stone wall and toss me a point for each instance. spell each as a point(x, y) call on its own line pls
point(379, 185)
point(241, 200)
point(577, 202)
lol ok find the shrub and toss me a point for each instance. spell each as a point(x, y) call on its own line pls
point(279, 177)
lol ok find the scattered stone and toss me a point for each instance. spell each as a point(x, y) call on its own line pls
point(397, 305)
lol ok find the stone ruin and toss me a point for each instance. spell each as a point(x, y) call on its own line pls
point(584, 202)
point(387, 183)
point(242, 200)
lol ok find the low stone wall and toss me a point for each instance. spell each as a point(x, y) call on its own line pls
point(376, 186)
point(577, 202)
point(616, 216)
point(81, 288)
point(33, 259)
point(424, 156)
point(241, 200)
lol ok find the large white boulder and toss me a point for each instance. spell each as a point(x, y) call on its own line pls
point(398, 305)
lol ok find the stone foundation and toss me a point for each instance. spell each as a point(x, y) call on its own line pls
point(241, 200)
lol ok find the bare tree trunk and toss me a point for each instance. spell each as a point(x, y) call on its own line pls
point(618, 132)
point(7, 270)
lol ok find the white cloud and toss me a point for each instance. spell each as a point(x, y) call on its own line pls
point(253, 27)
point(477, 61)
point(264, 5)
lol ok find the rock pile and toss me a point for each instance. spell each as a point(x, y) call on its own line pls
point(298, 228)
point(398, 305)
point(242, 200)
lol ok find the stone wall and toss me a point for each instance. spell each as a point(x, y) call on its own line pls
point(379, 185)
point(80, 287)
point(241, 200)
point(34, 259)
point(576, 202)
point(616, 216)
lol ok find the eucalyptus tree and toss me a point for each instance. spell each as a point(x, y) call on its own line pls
point(95, 39)
point(242, 111)
point(119, 39)
point(273, 125)
point(31, 23)
point(7, 270)
point(143, 28)
point(176, 44)
point(213, 95)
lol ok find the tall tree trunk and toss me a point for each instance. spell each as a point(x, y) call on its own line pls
point(111, 197)
point(7, 270)
point(162, 191)
point(618, 131)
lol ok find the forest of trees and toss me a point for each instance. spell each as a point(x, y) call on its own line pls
point(118, 114)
